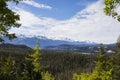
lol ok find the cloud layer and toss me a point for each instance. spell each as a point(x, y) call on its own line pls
point(90, 24)
point(35, 4)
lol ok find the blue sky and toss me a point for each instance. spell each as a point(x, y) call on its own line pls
point(60, 9)
point(79, 20)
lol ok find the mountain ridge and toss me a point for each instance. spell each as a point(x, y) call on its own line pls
point(60, 45)
point(44, 42)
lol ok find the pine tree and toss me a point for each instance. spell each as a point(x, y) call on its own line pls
point(103, 69)
point(115, 59)
point(37, 58)
point(33, 67)
point(8, 69)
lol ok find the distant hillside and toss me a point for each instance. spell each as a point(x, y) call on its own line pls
point(14, 49)
point(59, 45)
point(80, 48)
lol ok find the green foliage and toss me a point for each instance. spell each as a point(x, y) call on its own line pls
point(47, 76)
point(110, 8)
point(103, 69)
point(34, 67)
point(35, 58)
point(7, 69)
point(115, 59)
point(7, 66)
point(8, 20)
point(96, 75)
point(83, 76)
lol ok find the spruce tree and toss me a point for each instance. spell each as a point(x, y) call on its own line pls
point(34, 67)
point(102, 71)
point(115, 59)
point(8, 69)
point(103, 68)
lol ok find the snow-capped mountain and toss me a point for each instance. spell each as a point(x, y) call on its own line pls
point(45, 42)
point(60, 45)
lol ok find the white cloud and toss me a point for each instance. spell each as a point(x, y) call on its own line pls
point(89, 24)
point(38, 5)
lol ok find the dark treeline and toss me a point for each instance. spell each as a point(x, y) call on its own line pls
point(63, 64)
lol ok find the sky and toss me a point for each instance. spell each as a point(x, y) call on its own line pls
point(77, 20)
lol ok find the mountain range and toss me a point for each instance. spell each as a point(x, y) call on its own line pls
point(60, 45)
point(45, 42)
